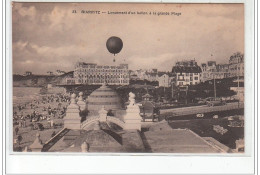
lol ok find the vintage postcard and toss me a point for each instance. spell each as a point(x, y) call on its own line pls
point(128, 77)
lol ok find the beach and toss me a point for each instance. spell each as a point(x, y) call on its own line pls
point(34, 112)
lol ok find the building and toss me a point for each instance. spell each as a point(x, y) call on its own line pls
point(142, 74)
point(165, 79)
point(50, 73)
point(103, 97)
point(236, 65)
point(151, 76)
point(93, 74)
point(70, 80)
point(213, 70)
point(149, 110)
point(59, 72)
point(240, 93)
point(186, 73)
point(28, 73)
point(147, 97)
point(239, 89)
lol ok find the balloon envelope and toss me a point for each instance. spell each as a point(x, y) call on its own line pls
point(114, 45)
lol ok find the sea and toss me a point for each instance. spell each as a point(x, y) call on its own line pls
point(22, 95)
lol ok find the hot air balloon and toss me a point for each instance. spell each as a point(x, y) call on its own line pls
point(114, 45)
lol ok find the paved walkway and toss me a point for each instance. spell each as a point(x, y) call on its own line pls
point(201, 109)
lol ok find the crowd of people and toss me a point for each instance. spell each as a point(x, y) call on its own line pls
point(47, 107)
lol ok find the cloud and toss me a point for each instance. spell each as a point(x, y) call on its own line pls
point(29, 12)
point(48, 36)
point(227, 11)
point(163, 62)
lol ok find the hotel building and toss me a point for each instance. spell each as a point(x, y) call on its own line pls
point(236, 65)
point(213, 70)
point(186, 73)
point(93, 74)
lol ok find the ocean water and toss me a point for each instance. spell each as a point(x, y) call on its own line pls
point(23, 95)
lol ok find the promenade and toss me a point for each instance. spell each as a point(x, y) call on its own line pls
point(202, 109)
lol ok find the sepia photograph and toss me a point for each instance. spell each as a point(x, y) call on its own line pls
point(128, 77)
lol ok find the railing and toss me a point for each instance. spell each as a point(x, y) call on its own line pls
point(54, 139)
point(89, 121)
point(116, 121)
point(96, 118)
point(202, 109)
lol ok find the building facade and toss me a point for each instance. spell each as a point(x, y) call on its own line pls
point(28, 73)
point(59, 72)
point(236, 65)
point(93, 74)
point(213, 70)
point(70, 80)
point(142, 74)
point(186, 73)
point(165, 80)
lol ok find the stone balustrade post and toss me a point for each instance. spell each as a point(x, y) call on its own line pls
point(81, 103)
point(102, 114)
point(97, 126)
point(84, 147)
point(37, 145)
point(25, 149)
point(72, 120)
point(132, 118)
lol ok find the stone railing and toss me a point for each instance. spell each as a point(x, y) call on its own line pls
point(116, 121)
point(89, 121)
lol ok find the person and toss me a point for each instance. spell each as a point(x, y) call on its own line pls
point(24, 123)
point(19, 107)
point(20, 124)
point(16, 130)
point(53, 134)
point(19, 139)
point(51, 123)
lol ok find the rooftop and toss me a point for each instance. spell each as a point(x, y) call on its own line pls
point(104, 96)
point(178, 141)
point(160, 138)
point(184, 69)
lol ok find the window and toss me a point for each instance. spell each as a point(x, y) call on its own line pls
point(180, 77)
point(196, 78)
point(180, 83)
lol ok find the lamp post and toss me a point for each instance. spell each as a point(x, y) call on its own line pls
point(215, 93)
point(238, 71)
point(172, 89)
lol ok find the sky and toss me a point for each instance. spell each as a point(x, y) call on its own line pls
point(48, 36)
